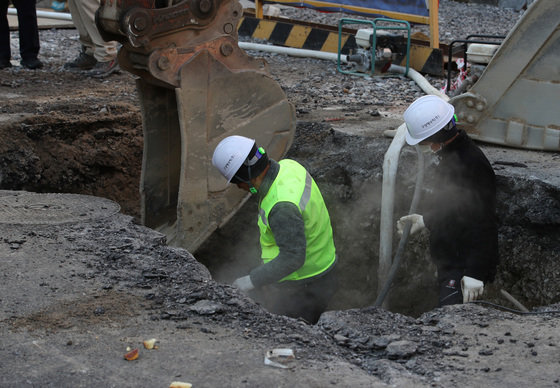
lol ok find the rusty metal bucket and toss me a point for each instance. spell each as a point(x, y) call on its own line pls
point(196, 87)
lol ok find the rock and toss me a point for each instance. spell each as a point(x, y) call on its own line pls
point(401, 349)
point(207, 307)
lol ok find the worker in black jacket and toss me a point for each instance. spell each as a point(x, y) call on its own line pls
point(460, 211)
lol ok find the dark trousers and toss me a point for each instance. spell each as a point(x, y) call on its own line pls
point(306, 299)
point(28, 30)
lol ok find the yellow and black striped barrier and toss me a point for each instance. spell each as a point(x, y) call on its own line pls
point(309, 36)
point(291, 34)
point(426, 59)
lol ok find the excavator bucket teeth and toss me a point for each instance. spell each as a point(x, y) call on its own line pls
point(196, 87)
point(161, 162)
point(184, 196)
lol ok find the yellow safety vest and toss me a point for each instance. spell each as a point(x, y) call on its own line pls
point(294, 184)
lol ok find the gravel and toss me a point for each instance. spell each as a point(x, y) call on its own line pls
point(121, 283)
point(457, 20)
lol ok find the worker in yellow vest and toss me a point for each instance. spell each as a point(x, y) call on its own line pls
point(296, 238)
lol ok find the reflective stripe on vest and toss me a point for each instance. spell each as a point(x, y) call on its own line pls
point(302, 201)
point(294, 184)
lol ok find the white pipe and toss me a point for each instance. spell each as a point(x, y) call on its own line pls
point(46, 15)
point(420, 81)
point(390, 166)
point(294, 52)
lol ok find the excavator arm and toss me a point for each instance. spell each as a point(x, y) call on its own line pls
point(515, 101)
point(196, 86)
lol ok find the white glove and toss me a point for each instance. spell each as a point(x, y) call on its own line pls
point(417, 223)
point(472, 289)
point(244, 283)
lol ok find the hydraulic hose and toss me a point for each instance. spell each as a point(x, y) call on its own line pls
point(406, 230)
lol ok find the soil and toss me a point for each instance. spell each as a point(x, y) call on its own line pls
point(82, 282)
point(82, 287)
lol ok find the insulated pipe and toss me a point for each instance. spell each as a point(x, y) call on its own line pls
point(420, 81)
point(294, 52)
point(46, 15)
point(390, 166)
point(406, 230)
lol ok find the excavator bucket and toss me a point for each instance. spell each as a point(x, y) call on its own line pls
point(196, 87)
point(515, 101)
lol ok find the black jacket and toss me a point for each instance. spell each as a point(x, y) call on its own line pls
point(460, 213)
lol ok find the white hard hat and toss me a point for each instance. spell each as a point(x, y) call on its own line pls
point(230, 154)
point(426, 116)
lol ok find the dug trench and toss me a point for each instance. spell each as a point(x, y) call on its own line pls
point(79, 150)
point(348, 168)
point(76, 294)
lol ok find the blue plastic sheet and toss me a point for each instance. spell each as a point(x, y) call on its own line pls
point(363, 7)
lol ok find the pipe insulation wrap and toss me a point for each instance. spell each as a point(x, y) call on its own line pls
point(390, 165)
point(406, 231)
point(46, 14)
point(420, 81)
point(386, 271)
point(294, 52)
